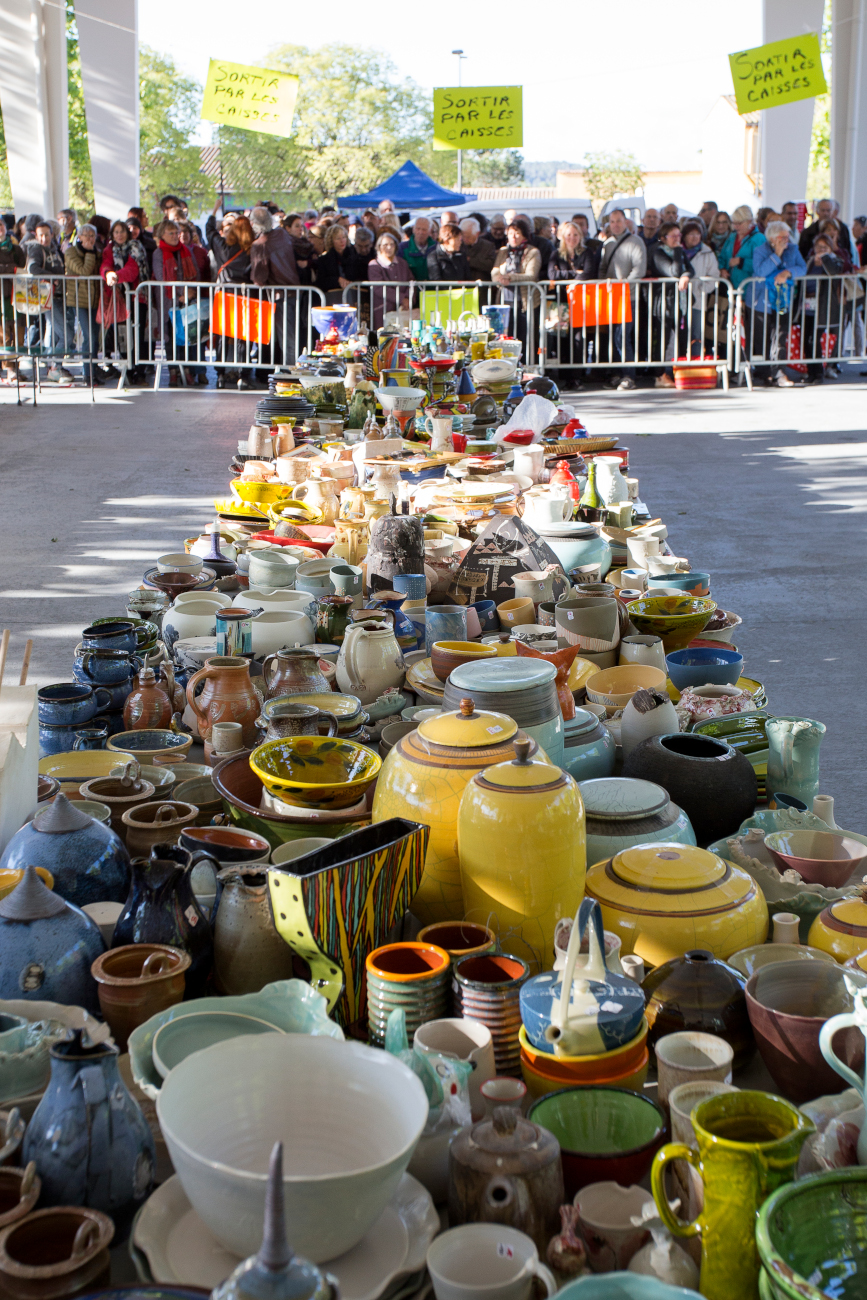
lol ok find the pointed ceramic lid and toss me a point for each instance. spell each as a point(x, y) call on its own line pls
point(670, 867)
point(522, 773)
point(30, 900)
point(504, 673)
point(60, 817)
point(613, 798)
point(468, 727)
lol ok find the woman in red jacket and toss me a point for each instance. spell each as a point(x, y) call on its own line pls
point(124, 264)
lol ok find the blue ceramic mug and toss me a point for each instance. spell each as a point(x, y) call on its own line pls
point(487, 612)
point(91, 738)
point(104, 667)
point(118, 635)
point(71, 702)
point(411, 585)
point(444, 623)
point(117, 693)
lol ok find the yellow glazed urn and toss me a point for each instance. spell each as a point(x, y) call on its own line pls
point(522, 850)
point(664, 898)
point(841, 929)
point(423, 778)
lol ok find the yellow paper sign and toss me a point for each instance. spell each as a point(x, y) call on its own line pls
point(778, 73)
point(254, 99)
point(478, 117)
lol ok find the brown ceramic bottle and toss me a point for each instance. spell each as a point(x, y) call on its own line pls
point(228, 696)
point(147, 704)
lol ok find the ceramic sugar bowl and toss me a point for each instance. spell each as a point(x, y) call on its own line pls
point(582, 1010)
point(86, 858)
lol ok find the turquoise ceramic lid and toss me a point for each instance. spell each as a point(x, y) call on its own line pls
point(583, 722)
point(502, 674)
point(611, 798)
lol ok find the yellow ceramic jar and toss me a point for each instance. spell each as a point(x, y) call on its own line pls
point(423, 778)
point(841, 929)
point(522, 850)
point(663, 899)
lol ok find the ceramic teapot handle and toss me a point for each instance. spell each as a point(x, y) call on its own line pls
point(589, 914)
point(85, 1239)
point(826, 1035)
point(191, 693)
point(672, 1151)
point(27, 1180)
point(156, 963)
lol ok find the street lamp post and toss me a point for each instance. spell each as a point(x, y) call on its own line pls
point(460, 57)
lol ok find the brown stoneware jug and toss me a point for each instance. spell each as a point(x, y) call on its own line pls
point(228, 695)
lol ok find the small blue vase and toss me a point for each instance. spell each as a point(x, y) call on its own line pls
point(47, 947)
point(91, 1143)
point(87, 859)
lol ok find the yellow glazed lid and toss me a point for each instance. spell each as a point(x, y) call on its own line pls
point(850, 912)
point(667, 878)
point(522, 772)
point(468, 727)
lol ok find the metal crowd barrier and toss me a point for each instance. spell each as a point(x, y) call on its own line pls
point(814, 321)
point(589, 325)
point(60, 320)
point(191, 325)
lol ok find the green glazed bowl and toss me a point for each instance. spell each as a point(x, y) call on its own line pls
point(815, 1229)
point(606, 1134)
point(677, 619)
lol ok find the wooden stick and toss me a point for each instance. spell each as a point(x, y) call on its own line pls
point(28, 651)
point(4, 649)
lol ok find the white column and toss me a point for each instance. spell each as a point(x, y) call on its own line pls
point(108, 45)
point(849, 106)
point(786, 130)
point(33, 96)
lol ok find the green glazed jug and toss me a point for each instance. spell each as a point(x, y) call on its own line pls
point(748, 1146)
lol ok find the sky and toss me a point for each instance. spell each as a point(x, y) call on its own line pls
point(596, 77)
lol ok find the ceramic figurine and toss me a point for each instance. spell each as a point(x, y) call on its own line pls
point(228, 696)
point(586, 1010)
point(162, 908)
point(336, 905)
point(91, 1143)
point(47, 947)
point(396, 545)
point(86, 858)
point(248, 951)
point(507, 1170)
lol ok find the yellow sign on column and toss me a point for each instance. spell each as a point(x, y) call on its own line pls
point(254, 99)
point(478, 117)
point(778, 73)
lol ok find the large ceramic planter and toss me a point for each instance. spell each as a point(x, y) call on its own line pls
point(713, 783)
point(423, 778)
point(663, 899)
point(589, 749)
point(524, 689)
point(621, 812)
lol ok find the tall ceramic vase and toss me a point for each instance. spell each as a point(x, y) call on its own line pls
point(748, 1146)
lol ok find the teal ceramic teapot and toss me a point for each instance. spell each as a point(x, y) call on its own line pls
point(582, 1010)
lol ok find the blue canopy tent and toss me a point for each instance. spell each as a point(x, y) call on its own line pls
point(409, 187)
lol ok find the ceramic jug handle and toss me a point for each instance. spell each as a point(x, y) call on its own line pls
point(191, 693)
point(826, 1034)
point(672, 1151)
point(265, 663)
point(85, 1239)
point(299, 487)
point(202, 855)
point(156, 963)
point(546, 1277)
point(331, 722)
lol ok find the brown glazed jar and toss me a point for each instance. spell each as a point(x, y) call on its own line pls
point(147, 705)
point(699, 992)
point(296, 672)
point(54, 1253)
point(135, 982)
point(228, 696)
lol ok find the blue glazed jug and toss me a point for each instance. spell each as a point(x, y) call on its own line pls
point(91, 1143)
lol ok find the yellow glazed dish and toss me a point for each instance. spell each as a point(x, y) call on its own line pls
point(423, 778)
point(841, 930)
point(260, 494)
point(12, 876)
point(677, 619)
point(295, 512)
point(664, 898)
point(522, 848)
point(74, 769)
point(316, 771)
point(615, 687)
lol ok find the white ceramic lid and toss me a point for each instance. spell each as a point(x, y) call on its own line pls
point(614, 797)
point(507, 673)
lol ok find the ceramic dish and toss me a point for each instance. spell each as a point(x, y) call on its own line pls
point(250, 491)
point(446, 655)
point(178, 1039)
point(615, 687)
point(676, 619)
point(168, 746)
point(749, 960)
point(422, 679)
point(75, 768)
point(702, 667)
point(180, 1249)
point(723, 625)
point(819, 857)
point(316, 771)
point(811, 1238)
point(204, 580)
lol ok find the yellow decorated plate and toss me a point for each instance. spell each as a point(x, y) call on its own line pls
point(421, 677)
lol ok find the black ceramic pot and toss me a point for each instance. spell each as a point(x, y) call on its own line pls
point(698, 992)
point(713, 783)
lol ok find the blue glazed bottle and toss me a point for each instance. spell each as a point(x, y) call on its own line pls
point(47, 947)
point(87, 859)
point(91, 1142)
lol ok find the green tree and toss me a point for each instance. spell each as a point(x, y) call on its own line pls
point(607, 174)
point(493, 167)
point(80, 176)
point(168, 118)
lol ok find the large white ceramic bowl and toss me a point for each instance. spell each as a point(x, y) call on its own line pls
point(272, 569)
point(215, 598)
point(349, 1118)
point(400, 399)
point(257, 598)
point(194, 618)
point(275, 628)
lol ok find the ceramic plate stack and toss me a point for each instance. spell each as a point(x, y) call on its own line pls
point(277, 408)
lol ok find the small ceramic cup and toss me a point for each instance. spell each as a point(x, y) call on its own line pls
point(90, 738)
point(606, 1212)
point(512, 613)
point(285, 853)
point(503, 1091)
point(683, 1099)
point(643, 650)
point(486, 1261)
point(487, 612)
point(535, 585)
point(411, 585)
point(691, 1057)
point(460, 1040)
point(226, 737)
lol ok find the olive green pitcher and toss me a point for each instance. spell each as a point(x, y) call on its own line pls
point(748, 1146)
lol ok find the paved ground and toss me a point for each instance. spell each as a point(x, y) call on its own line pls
point(766, 491)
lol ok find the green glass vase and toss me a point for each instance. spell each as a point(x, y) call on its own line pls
point(748, 1146)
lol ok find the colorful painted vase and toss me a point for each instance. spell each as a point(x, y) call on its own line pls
point(335, 905)
point(332, 618)
point(748, 1146)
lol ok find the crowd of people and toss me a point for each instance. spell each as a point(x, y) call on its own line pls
point(697, 257)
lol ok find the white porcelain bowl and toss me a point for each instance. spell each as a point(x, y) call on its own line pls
point(275, 628)
point(179, 562)
point(194, 618)
point(215, 598)
point(256, 598)
point(349, 1117)
point(272, 569)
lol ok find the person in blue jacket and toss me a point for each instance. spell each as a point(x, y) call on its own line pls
point(736, 255)
point(777, 263)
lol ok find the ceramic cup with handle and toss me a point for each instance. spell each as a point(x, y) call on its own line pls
point(858, 1018)
point(486, 1261)
point(543, 509)
point(286, 718)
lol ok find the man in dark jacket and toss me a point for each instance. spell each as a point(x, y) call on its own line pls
point(447, 260)
point(480, 253)
point(45, 258)
point(272, 262)
point(826, 210)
